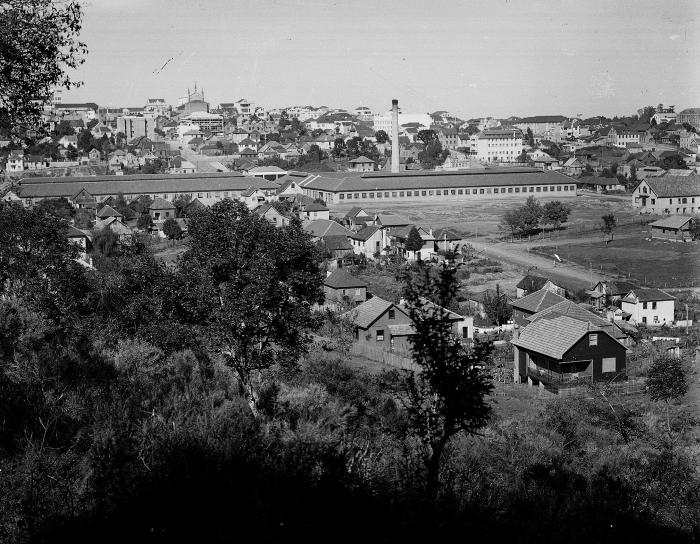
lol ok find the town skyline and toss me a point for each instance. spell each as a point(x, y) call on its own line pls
point(568, 62)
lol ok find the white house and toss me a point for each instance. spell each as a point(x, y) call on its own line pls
point(650, 307)
point(668, 195)
point(367, 241)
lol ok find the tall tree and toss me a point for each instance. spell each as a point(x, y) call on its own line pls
point(555, 213)
point(667, 381)
point(609, 225)
point(381, 136)
point(259, 283)
point(427, 136)
point(447, 395)
point(414, 241)
point(39, 43)
point(496, 306)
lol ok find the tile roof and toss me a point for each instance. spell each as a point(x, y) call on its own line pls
point(647, 295)
point(532, 282)
point(108, 211)
point(319, 228)
point(368, 312)
point(354, 211)
point(341, 279)
point(161, 204)
point(672, 222)
point(570, 309)
point(672, 186)
point(538, 301)
point(553, 337)
point(391, 220)
point(444, 234)
point(364, 234)
point(140, 184)
point(361, 160)
point(315, 207)
point(337, 242)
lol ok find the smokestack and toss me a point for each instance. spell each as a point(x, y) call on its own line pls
point(395, 135)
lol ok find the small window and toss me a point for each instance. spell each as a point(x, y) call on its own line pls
point(386, 195)
point(644, 319)
point(459, 191)
point(510, 189)
point(475, 191)
point(342, 196)
point(452, 192)
point(380, 335)
point(423, 193)
point(539, 189)
point(566, 187)
point(517, 189)
point(393, 194)
point(438, 192)
point(364, 195)
point(402, 194)
point(392, 314)
point(653, 305)
point(481, 191)
point(430, 193)
point(592, 339)
point(545, 189)
point(644, 305)
point(379, 195)
point(357, 195)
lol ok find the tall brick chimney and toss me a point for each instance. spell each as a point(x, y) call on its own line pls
point(395, 136)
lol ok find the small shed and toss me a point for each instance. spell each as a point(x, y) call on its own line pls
point(673, 227)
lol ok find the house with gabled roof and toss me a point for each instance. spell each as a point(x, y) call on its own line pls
point(318, 228)
point(532, 282)
point(606, 292)
point(562, 353)
point(315, 210)
point(446, 240)
point(531, 304)
point(356, 218)
point(651, 307)
point(361, 164)
point(272, 214)
point(338, 247)
point(674, 227)
point(341, 286)
point(368, 241)
point(668, 195)
point(107, 211)
point(161, 209)
point(381, 325)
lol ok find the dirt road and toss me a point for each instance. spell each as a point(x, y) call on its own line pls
point(518, 255)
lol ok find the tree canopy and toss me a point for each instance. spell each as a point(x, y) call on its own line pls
point(39, 45)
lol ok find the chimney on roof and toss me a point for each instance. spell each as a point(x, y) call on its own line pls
point(394, 136)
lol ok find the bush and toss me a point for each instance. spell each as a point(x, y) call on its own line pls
point(171, 228)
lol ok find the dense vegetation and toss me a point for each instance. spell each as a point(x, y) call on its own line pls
point(146, 403)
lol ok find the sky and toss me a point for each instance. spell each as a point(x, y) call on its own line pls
point(473, 58)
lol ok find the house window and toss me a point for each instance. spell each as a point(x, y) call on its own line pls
point(357, 195)
point(364, 195)
point(430, 193)
point(592, 339)
point(459, 191)
point(481, 191)
point(401, 193)
point(474, 191)
point(423, 193)
point(510, 189)
point(342, 196)
point(393, 194)
point(653, 201)
point(531, 189)
point(517, 189)
point(452, 192)
point(656, 319)
point(379, 195)
point(653, 305)
point(386, 195)
point(392, 314)
point(609, 364)
point(200, 195)
point(558, 187)
point(644, 305)
point(438, 192)
point(380, 335)
point(539, 189)
point(644, 319)
point(545, 189)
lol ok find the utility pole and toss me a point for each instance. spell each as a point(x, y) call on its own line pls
point(686, 318)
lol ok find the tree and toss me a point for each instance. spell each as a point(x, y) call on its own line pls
point(59, 207)
point(523, 157)
point(609, 225)
point(85, 140)
point(524, 219)
point(257, 285)
point(633, 174)
point(71, 152)
point(63, 128)
point(530, 137)
point(144, 221)
point(432, 155)
point(555, 213)
point(381, 136)
point(171, 228)
point(427, 136)
point(105, 243)
point(496, 306)
point(339, 147)
point(667, 380)
point(695, 229)
point(447, 396)
point(414, 241)
point(39, 44)
point(181, 203)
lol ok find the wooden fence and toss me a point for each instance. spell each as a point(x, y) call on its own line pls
point(396, 360)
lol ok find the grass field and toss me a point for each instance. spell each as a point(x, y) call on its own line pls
point(470, 218)
point(655, 263)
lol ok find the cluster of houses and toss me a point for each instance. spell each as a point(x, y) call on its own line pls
point(558, 344)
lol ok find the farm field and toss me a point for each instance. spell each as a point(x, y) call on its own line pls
point(654, 263)
point(472, 218)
